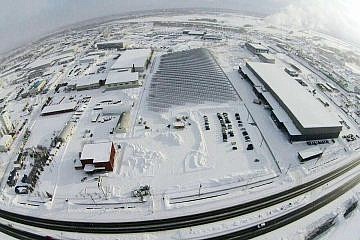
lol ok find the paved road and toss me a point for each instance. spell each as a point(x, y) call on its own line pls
point(181, 221)
point(292, 216)
point(247, 233)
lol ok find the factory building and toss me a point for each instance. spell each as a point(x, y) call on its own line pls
point(266, 58)
point(256, 48)
point(134, 60)
point(115, 44)
point(98, 157)
point(293, 108)
point(121, 80)
point(58, 108)
point(40, 64)
point(87, 82)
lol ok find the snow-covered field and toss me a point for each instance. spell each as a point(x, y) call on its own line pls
point(189, 169)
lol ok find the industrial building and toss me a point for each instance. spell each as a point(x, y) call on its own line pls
point(266, 57)
point(121, 80)
point(87, 82)
point(123, 125)
point(114, 44)
point(40, 64)
point(293, 108)
point(135, 60)
point(58, 108)
point(256, 48)
point(98, 157)
point(310, 153)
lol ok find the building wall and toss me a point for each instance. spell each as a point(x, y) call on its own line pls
point(109, 165)
point(112, 86)
point(255, 50)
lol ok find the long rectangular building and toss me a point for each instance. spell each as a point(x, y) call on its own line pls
point(134, 58)
point(310, 117)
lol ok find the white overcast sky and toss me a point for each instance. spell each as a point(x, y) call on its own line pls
point(25, 20)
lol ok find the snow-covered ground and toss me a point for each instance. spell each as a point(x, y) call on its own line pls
point(189, 169)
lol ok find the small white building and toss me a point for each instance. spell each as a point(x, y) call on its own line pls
point(256, 48)
point(120, 80)
point(5, 143)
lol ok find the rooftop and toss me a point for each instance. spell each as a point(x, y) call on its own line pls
point(298, 101)
point(130, 57)
point(257, 46)
point(121, 77)
point(59, 108)
point(99, 152)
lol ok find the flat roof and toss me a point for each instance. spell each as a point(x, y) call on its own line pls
point(111, 42)
point(5, 139)
point(121, 77)
point(59, 108)
point(40, 62)
point(306, 109)
point(87, 79)
point(310, 152)
point(99, 152)
point(130, 57)
point(267, 55)
point(257, 46)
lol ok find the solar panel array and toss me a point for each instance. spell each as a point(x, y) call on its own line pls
point(191, 76)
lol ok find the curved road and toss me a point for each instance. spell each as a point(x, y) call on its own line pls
point(181, 221)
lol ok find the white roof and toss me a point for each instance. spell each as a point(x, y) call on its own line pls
point(59, 107)
point(110, 42)
point(87, 80)
point(121, 77)
point(306, 109)
point(130, 57)
point(258, 46)
point(40, 62)
point(99, 152)
point(307, 153)
point(267, 55)
point(5, 139)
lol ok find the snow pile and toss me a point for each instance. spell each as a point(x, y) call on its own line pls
point(195, 160)
point(142, 161)
point(169, 138)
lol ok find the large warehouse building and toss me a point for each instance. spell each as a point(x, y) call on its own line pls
point(293, 107)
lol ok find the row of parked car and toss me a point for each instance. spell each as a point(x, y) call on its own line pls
point(350, 137)
point(206, 120)
point(245, 134)
point(226, 127)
